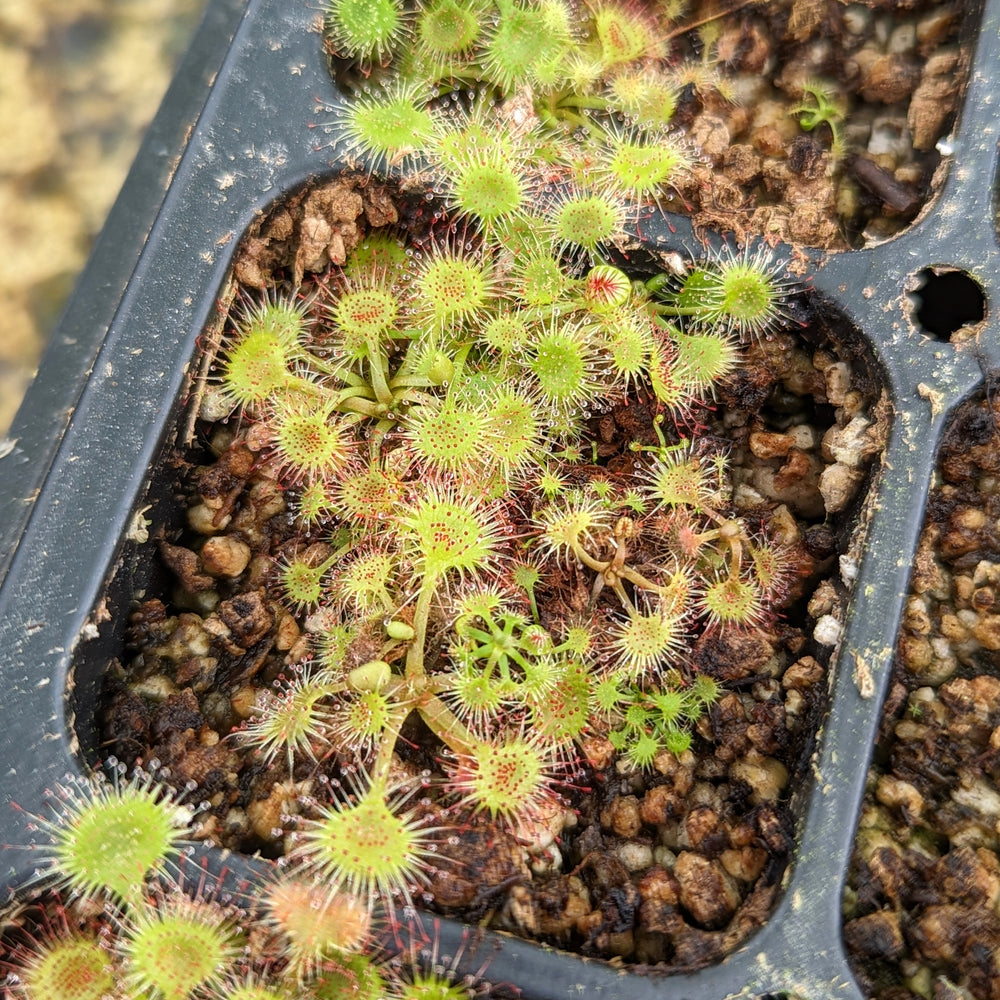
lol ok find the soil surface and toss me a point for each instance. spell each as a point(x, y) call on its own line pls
point(896, 71)
point(922, 903)
point(673, 865)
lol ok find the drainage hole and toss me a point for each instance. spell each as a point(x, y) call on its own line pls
point(947, 300)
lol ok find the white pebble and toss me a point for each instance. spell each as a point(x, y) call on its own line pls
point(828, 631)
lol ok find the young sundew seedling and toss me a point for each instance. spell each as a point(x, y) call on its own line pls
point(740, 293)
point(822, 106)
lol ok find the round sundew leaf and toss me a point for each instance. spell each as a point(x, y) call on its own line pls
point(642, 168)
point(308, 441)
point(314, 502)
point(628, 339)
point(289, 719)
point(671, 707)
point(476, 698)
point(745, 291)
point(318, 923)
point(448, 27)
point(677, 741)
point(171, 950)
point(644, 96)
point(487, 191)
point(449, 532)
point(562, 713)
point(665, 378)
point(451, 437)
point(365, 314)
point(301, 583)
point(515, 429)
point(111, 842)
point(570, 521)
point(450, 287)
point(378, 253)
point(704, 358)
point(563, 365)
point(364, 846)
point(517, 44)
point(364, 582)
point(386, 127)
point(586, 220)
point(508, 780)
point(432, 986)
point(541, 280)
point(255, 367)
point(369, 495)
point(646, 641)
point(282, 318)
point(678, 481)
point(642, 749)
point(506, 333)
point(75, 968)
point(746, 295)
point(606, 289)
point(356, 978)
point(732, 600)
point(455, 146)
point(624, 36)
point(364, 29)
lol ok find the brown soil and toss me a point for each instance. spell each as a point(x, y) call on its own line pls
point(898, 70)
point(676, 865)
point(925, 879)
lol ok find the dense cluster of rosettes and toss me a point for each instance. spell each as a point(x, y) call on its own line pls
point(425, 406)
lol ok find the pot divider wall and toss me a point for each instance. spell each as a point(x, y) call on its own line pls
point(79, 456)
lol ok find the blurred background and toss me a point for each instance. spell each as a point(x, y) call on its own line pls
point(80, 80)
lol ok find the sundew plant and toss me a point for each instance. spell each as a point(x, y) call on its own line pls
point(425, 407)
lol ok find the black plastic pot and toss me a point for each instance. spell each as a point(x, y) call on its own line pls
point(232, 138)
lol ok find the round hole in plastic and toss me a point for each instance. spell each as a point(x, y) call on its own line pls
point(945, 300)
